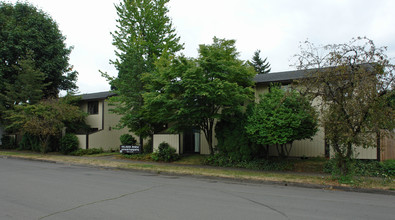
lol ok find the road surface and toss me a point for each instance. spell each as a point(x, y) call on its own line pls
point(40, 190)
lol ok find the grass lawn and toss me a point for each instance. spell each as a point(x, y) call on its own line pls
point(306, 171)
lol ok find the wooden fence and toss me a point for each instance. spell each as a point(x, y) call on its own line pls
point(387, 149)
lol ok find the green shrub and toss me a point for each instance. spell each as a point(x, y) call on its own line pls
point(127, 139)
point(82, 152)
point(165, 153)
point(148, 147)
point(29, 142)
point(365, 168)
point(388, 167)
point(232, 138)
point(69, 143)
point(223, 160)
point(8, 142)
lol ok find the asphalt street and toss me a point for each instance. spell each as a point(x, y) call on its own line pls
point(41, 190)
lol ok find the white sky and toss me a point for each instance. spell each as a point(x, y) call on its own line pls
point(274, 26)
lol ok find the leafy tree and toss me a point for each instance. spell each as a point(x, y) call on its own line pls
point(28, 85)
point(233, 141)
point(354, 81)
point(281, 118)
point(260, 66)
point(33, 53)
point(44, 119)
point(144, 33)
point(196, 92)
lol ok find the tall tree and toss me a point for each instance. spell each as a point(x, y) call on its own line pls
point(144, 32)
point(354, 82)
point(31, 41)
point(195, 92)
point(260, 66)
point(28, 86)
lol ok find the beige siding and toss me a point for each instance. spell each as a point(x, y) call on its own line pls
point(260, 90)
point(204, 149)
point(172, 139)
point(310, 148)
point(95, 121)
point(305, 148)
point(108, 137)
point(82, 140)
point(366, 153)
point(360, 153)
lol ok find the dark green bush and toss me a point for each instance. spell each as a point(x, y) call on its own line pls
point(69, 143)
point(223, 160)
point(388, 167)
point(148, 147)
point(7, 142)
point(127, 139)
point(29, 142)
point(82, 152)
point(365, 167)
point(165, 153)
point(233, 140)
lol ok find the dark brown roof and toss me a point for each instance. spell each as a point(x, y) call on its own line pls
point(286, 76)
point(96, 96)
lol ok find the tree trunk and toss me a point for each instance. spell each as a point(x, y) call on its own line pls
point(141, 142)
point(44, 143)
point(378, 145)
point(208, 133)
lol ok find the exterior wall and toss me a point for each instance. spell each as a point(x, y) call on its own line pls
point(172, 139)
point(204, 148)
point(82, 140)
point(366, 153)
point(95, 121)
point(305, 148)
point(106, 137)
point(260, 90)
point(361, 153)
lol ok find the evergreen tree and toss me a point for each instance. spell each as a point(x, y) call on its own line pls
point(28, 86)
point(144, 32)
point(260, 66)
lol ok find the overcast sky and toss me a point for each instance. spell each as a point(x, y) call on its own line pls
point(273, 26)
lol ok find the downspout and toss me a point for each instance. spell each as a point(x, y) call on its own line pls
point(87, 140)
point(102, 116)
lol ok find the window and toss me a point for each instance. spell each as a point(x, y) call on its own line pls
point(93, 108)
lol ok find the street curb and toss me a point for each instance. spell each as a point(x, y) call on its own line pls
point(232, 179)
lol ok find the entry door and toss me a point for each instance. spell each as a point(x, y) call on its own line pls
point(191, 141)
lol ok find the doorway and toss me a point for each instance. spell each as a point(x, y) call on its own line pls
point(191, 141)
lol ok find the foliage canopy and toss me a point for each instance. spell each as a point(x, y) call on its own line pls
point(34, 57)
point(355, 82)
point(44, 119)
point(280, 118)
point(144, 32)
point(191, 92)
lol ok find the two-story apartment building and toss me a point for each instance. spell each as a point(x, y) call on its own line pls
point(193, 141)
point(101, 121)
